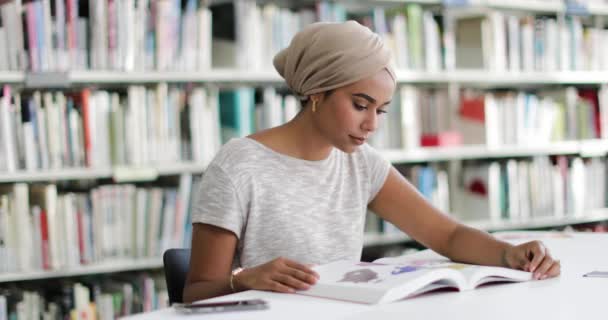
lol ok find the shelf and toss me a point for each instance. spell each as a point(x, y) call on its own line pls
point(123, 174)
point(105, 267)
point(587, 148)
point(376, 239)
point(595, 8)
point(370, 239)
point(231, 76)
point(11, 77)
point(584, 148)
point(537, 6)
point(542, 222)
point(473, 78)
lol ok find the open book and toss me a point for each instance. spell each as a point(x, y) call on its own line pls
point(390, 279)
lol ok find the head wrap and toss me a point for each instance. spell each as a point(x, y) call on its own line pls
point(324, 56)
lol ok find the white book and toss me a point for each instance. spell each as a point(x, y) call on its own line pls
point(603, 102)
point(181, 208)
point(527, 44)
point(60, 36)
point(524, 190)
point(399, 27)
point(20, 207)
point(514, 43)
point(204, 20)
point(45, 196)
point(48, 51)
point(390, 279)
point(3, 308)
point(141, 222)
point(410, 119)
point(494, 191)
point(154, 213)
point(432, 45)
point(491, 121)
point(11, 16)
point(6, 248)
point(498, 38)
point(71, 230)
point(4, 64)
point(7, 134)
point(513, 182)
point(37, 238)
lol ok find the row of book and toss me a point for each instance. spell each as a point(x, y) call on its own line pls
point(43, 228)
point(165, 124)
point(520, 190)
point(513, 190)
point(129, 35)
point(45, 35)
point(137, 126)
point(423, 117)
point(103, 298)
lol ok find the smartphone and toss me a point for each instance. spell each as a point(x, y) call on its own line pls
point(213, 307)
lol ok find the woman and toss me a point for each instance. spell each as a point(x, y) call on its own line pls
point(282, 199)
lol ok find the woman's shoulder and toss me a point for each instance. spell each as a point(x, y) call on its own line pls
point(234, 152)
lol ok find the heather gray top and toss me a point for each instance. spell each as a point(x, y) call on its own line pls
point(279, 206)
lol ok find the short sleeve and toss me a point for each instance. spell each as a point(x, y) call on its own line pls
point(218, 203)
point(378, 168)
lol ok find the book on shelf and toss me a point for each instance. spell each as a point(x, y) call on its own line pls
point(97, 297)
point(60, 229)
point(390, 279)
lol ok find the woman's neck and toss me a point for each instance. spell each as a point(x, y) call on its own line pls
point(307, 141)
point(298, 138)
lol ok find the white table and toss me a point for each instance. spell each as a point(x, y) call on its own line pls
point(571, 296)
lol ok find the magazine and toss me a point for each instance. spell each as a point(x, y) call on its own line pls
point(391, 279)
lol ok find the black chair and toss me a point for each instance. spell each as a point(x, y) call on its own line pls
point(176, 264)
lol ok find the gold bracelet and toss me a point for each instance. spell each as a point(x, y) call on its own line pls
point(232, 275)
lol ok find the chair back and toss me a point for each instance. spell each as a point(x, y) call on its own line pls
point(176, 264)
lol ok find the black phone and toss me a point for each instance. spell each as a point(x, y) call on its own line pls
point(213, 307)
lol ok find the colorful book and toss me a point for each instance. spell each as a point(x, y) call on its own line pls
point(390, 279)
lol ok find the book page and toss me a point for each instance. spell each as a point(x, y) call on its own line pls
point(478, 275)
point(375, 282)
point(475, 275)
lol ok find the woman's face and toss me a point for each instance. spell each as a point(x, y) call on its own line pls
point(349, 115)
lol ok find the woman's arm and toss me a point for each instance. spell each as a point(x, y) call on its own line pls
point(210, 262)
point(401, 204)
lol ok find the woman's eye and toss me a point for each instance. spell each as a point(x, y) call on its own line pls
point(359, 107)
point(380, 111)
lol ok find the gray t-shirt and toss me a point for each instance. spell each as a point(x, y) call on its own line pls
point(279, 206)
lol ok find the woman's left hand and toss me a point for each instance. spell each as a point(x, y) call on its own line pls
point(534, 257)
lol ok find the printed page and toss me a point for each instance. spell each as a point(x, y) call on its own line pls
point(375, 282)
point(478, 275)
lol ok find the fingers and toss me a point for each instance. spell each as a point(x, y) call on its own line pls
point(290, 281)
point(538, 252)
point(302, 272)
point(554, 271)
point(547, 268)
point(284, 275)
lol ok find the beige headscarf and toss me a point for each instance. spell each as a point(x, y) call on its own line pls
point(325, 56)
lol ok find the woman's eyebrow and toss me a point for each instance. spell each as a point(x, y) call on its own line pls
point(368, 98)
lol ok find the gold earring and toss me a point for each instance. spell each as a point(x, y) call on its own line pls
point(314, 105)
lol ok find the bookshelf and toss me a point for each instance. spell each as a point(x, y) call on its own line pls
point(123, 174)
point(469, 78)
point(112, 266)
point(144, 77)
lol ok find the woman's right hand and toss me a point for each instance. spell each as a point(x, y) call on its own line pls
point(280, 275)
